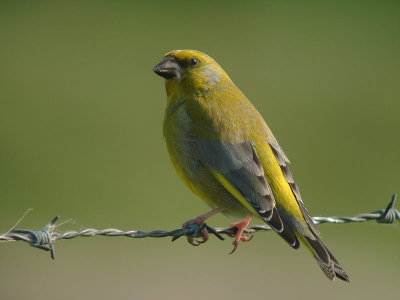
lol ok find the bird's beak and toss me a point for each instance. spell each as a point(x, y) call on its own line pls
point(168, 69)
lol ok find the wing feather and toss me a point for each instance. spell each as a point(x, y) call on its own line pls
point(238, 169)
point(283, 161)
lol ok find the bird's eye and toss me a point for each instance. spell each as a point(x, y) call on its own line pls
point(193, 61)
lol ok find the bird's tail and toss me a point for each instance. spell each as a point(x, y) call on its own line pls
point(327, 262)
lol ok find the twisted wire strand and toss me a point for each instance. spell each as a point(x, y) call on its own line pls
point(47, 236)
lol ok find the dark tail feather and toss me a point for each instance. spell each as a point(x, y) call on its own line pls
point(288, 235)
point(340, 273)
point(283, 229)
point(328, 263)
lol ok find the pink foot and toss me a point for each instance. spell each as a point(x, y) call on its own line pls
point(241, 226)
point(200, 221)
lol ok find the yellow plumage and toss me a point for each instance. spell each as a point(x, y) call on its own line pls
point(225, 153)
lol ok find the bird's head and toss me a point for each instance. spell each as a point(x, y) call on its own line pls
point(191, 69)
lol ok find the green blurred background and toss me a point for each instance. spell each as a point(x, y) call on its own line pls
point(81, 137)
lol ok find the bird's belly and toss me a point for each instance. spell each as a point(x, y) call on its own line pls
point(183, 152)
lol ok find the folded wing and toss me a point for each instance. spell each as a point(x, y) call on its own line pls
point(237, 168)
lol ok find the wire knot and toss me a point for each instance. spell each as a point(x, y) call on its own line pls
point(41, 237)
point(195, 231)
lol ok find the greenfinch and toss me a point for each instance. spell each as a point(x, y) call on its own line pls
point(223, 150)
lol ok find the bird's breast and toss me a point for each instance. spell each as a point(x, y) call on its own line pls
point(180, 141)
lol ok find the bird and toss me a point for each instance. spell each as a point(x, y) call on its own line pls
point(224, 152)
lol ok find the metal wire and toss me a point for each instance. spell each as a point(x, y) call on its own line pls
point(47, 236)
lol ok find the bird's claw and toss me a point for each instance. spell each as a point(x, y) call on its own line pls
point(196, 243)
point(241, 226)
point(243, 238)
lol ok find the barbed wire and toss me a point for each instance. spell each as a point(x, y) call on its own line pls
point(48, 235)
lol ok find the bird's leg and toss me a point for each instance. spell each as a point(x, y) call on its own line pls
point(241, 226)
point(200, 220)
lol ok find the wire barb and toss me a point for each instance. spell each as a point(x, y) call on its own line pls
point(390, 214)
point(47, 235)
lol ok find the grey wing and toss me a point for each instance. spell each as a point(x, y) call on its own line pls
point(283, 162)
point(239, 165)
